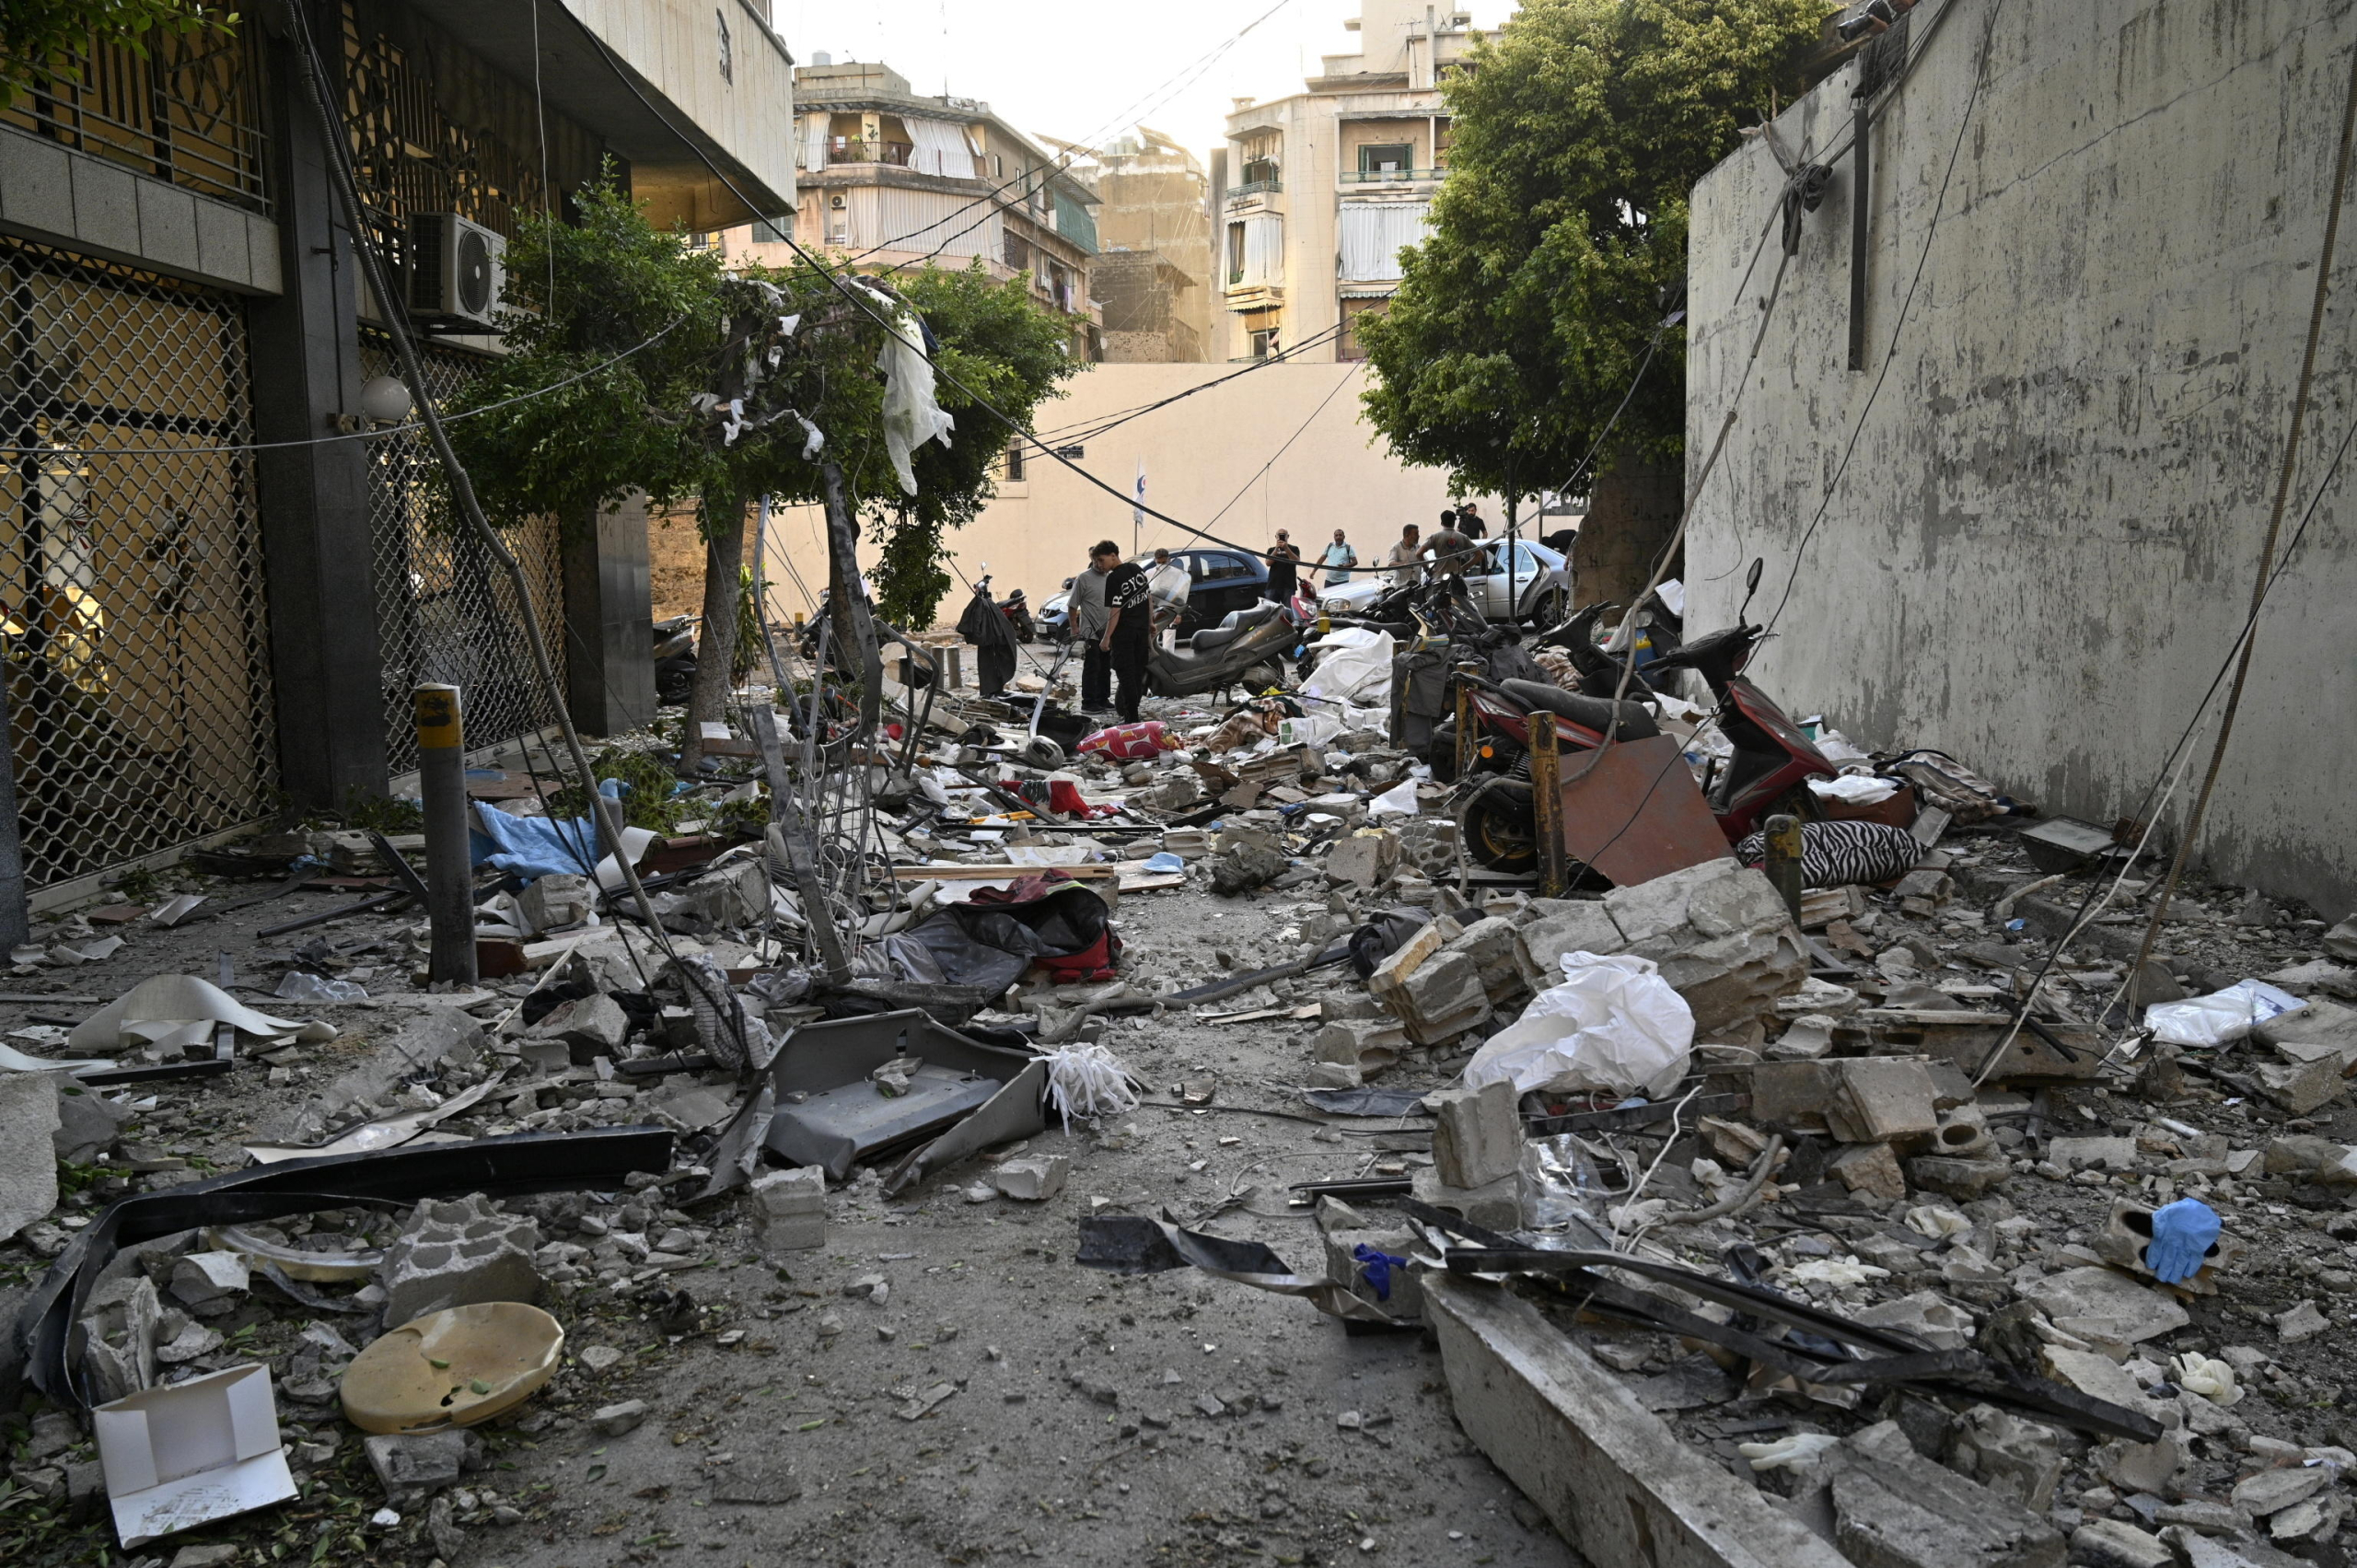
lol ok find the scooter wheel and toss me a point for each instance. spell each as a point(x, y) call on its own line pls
point(1499, 825)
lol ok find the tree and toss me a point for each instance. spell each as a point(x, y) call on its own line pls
point(1558, 241)
point(640, 366)
point(38, 36)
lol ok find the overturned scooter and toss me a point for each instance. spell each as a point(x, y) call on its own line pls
point(1245, 649)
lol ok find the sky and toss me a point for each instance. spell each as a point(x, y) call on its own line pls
point(1083, 72)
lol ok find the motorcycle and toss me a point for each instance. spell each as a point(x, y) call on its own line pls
point(1246, 648)
point(674, 659)
point(1768, 773)
point(1017, 611)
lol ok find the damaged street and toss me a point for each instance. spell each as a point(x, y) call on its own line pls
point(1569, 791)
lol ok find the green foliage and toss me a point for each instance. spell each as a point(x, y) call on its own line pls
point(647, 797)
point(35, 34)
point(1521, 319)
point(387, 813)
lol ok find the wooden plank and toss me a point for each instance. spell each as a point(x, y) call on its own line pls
point(1636, 813)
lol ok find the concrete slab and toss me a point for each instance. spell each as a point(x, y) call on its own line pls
point(1613, 1478)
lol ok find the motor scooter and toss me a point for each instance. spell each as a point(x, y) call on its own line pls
point(1246, 648)
point(1017, 611)
point(1771, 761)
point(674, 659)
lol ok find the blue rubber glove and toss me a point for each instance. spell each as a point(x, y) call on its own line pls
point(2182, 1235)
point(1378, 1266)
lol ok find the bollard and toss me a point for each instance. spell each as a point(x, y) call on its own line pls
point(1547, 804)
point(449, 873)
point(1784, 867)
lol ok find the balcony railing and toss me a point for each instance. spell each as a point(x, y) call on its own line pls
point(186, 111)
point(1254, 188)
point(852, 149)
point(1391, 176)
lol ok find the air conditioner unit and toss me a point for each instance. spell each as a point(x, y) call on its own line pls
point(457, 268)
point(835, 203)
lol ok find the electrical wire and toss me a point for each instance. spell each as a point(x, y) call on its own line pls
point(1098, 425)
point(377, 434)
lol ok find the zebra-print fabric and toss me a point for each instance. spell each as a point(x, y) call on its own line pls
point(1833, 853)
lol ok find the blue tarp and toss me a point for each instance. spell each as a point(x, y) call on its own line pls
point(530, 847)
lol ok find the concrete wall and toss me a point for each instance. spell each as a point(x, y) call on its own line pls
point(72, 200)
point(1201, 455)
point(2046, 540)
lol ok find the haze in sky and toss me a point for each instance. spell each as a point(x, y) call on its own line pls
point(1086, 71)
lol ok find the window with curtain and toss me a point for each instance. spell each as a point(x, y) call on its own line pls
point(1373, 235)
point(814, 142)
point(1264, 249)
point(940, 148)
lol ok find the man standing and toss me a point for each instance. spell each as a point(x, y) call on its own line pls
point(1405, 560)
point(1126, 640)
point(1085, 615)
point(1469, 521)
point(1339, 559)
point(1284, 568)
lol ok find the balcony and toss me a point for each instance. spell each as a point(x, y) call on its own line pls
point(1239, 194)
point(1393, 176)
point(852, 149)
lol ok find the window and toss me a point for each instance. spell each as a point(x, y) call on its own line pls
point(1388, 158)
point(767, 233)
point(1263, 343)
point(1348, 345)
point(1236, 252)
point(727, 60)
point(1014, 465)
point(1213, 568)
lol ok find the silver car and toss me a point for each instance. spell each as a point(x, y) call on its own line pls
point(1516, 580)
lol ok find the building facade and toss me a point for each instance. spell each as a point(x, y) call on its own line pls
point(1318, 192)
point(222, 579)
point(1154, 230)
point(888, 178)
point(2082, 284)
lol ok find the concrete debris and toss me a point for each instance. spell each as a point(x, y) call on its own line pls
point(789, 1209)
point(456, 1253)
point(29, 1123)
point(1477, 1135)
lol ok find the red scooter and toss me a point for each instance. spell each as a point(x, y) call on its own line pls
point(1768, 770)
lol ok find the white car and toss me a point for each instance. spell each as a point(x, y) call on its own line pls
point(1528, 582)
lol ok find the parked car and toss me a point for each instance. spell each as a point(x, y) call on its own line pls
point(1219, 581)
point(1534, 583)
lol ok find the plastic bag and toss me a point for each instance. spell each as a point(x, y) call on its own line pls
point(1854, 789)
point(299, 986)
point(1354, 667)
point(1399, 800)
point(1613, 1024)
point(1557, 1184)
point(2220, 1018)
point(1130, 742)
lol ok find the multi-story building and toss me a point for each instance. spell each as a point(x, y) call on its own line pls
point(220, 575)
point(1153, 227)
point(1321, 190)
point(888, 178)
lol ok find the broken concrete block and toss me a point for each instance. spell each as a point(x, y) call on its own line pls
point(1497, 1207)
point(2128, 1230)
point(1931, 1317)
point(2319, 1023)
point(1574, 928)
point(2010, 1457)
point(2312, 1159)
point(2112, 1543)
point(1808, 1038)
point(2143, 1467)
point(1034, 1178)
point(2302, 1322)
point(29, 1121)
point(208, 1283)
point(1791, 1096)
point(424, 1461)
point(789, 1209)
point(555, 900)
point(1428, 846)
point(1364, 1045)
point(1477, 1137)
point(1492, 945)
point(1964, 1134)
point(87, 1124)
point(1962, 1180)
point(1406, 1298)
point(2301, 1087)
point(2092, 1153)
point(1722, 938)
point(590, 1027)
point(2096, 1303)
point(120, 1327)
point(1436, 996)
point(1882, 1099)
point(1365, 859)
point(1893, 1509)
point(458, 1253)
point(612, 1420)
point(1871, 1168)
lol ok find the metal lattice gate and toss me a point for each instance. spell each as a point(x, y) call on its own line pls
point(445, 611)
point(135, 648)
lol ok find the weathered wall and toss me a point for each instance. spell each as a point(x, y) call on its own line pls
point(1201, 456)
point(2045, 543)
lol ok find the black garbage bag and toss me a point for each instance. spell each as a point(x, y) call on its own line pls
point(986, 628)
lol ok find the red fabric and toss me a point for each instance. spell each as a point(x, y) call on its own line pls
point(1093, 962)
point(1131, 742)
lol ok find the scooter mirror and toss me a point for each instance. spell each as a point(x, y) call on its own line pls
point(1751, 583)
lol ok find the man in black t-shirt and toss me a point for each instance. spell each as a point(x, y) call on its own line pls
point(1469, 521)
point(1127, 638)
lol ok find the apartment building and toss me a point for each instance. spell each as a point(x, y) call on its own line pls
point(1320, 190)
point(224, 570)
point(1153, 228)
point(887, 178)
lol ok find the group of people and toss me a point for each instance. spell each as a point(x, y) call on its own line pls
point(1460, 525)
point(1117, 607)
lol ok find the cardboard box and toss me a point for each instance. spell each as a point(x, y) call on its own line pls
point(190, 1453)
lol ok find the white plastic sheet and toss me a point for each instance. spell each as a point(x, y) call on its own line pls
point(1613, 1024)
point(176, 1010)
point(2220, 1018)
point(1355, 668)
point(1857, 789)
point(912, 417)
point(1399, 800)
